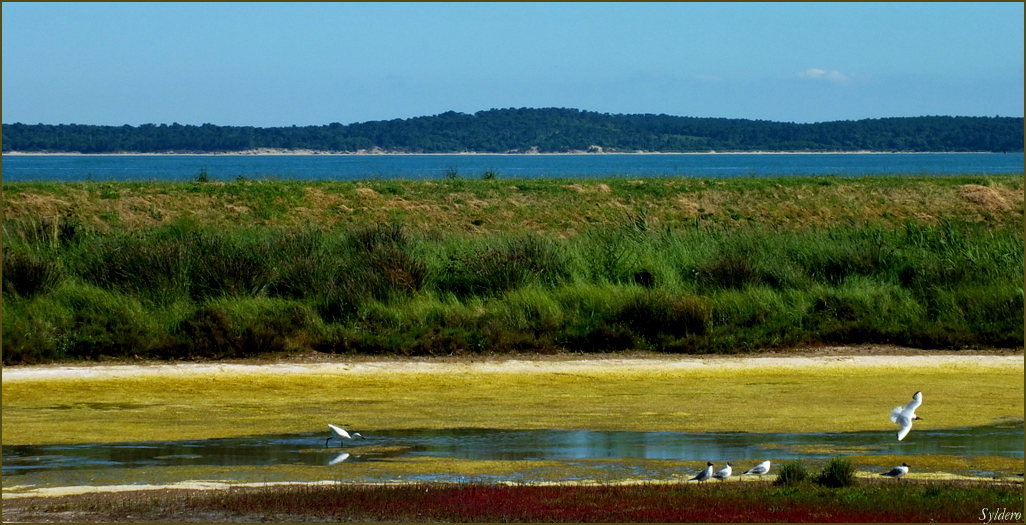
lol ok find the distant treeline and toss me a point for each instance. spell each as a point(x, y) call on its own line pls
point(524, 130)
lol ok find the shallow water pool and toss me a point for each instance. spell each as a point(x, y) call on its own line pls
point(441, 455)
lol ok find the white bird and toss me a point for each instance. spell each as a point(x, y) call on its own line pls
point(903, 416)
point(897, 472)
point(341, 434)
point(760, 469)
point(705, 474)
point(723, 473)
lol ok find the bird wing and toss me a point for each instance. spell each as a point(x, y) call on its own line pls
point(911, 407)
point(893, 472)
point(339, 430)
point(896, 413)
point(906, 426)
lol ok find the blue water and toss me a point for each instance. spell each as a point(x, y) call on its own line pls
point(1002, 440)
point(77, 168)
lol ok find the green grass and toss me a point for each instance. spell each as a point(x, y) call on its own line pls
point(559, 206)
point(584, 265)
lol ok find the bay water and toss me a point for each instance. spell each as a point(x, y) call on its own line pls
point(78, 168)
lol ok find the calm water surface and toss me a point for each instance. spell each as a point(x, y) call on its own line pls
point(31, 464)
point(76, 168)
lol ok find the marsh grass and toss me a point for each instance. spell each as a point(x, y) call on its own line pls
point(689, 292)
point(652, 279)
point(561, 206)
point(660, 503)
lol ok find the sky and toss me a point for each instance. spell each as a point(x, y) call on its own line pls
point(283, 64)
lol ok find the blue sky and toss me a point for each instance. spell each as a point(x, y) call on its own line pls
point(281, 64)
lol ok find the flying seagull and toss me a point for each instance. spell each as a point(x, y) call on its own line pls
point(904, 416)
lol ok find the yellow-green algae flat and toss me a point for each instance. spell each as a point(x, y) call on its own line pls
point(836, 395)
point(520, 472)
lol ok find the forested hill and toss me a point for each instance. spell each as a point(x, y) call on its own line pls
point(551, 130)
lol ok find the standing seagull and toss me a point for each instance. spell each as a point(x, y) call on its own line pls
point(759, 469)
point(341, 434)
point(897, 472)
point(905, 416)
point(705, 474)
point(723, 473)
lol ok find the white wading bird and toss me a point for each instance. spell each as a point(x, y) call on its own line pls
point(341, 434)
point(759, 470)
point(705, 474)
point(723, 473)
point(897, 472)
point(905, 416)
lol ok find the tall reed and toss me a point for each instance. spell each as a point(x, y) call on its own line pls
point(189, 290)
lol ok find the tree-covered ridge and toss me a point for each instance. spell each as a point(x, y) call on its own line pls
point(548, 130)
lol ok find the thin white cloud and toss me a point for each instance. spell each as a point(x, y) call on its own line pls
point(831, 75)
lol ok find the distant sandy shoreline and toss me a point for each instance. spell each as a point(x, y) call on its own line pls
point(846, 356)
point(307, 152)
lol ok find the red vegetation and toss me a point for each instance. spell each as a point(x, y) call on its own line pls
point(711, 502)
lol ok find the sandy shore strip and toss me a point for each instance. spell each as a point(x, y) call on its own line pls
point(505, 365)
point(196, 486)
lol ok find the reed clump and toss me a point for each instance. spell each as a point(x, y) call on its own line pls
point(637, 279)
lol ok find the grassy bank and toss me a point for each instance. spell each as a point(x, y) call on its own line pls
point(890, 502)
point(217, 270)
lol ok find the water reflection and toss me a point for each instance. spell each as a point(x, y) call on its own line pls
point(994, 440)
point(1004, 440)
point(25, 462)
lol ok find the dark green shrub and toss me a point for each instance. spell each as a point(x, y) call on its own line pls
point(729, 270)
point(28, 336)
point(656, 314)
point(224, 266)
point(611, 254)
point(600, 338)
point(495, 269)
point(838, 473)
point(382, 264)
point(307, 264)
point(389, 272)
point(217, 332)
point(792, 473)
point(153, 269)
point(28, 275)
point(103, 324)
point(208, 332)
point(367, 239)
